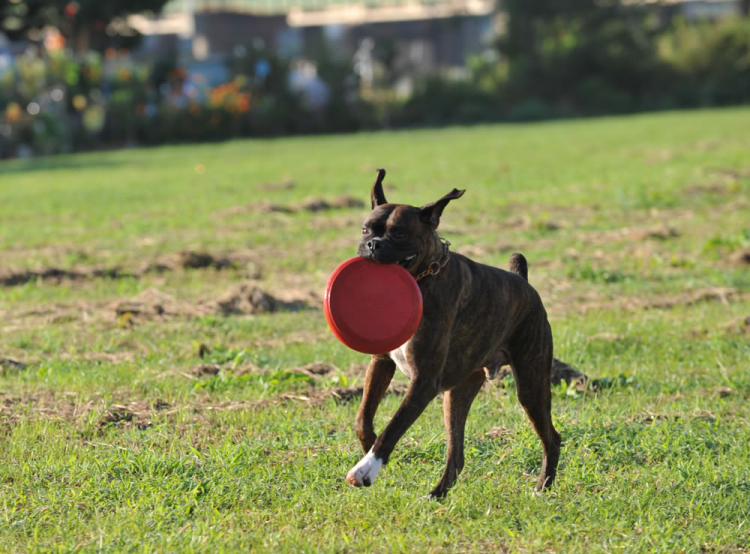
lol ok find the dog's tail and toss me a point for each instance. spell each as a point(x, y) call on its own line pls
point(518, 265)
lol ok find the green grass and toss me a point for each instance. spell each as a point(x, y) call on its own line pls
point(630, 226)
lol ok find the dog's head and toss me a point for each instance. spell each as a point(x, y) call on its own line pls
point(402, 234)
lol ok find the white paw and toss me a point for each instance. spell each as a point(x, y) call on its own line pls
point(365, 472)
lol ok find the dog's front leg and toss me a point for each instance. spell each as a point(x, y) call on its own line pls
point(420, 394)
point(378, 377)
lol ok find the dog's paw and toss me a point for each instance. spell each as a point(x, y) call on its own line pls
point(365, 472)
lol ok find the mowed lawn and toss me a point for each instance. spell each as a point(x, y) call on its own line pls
point(145, 405)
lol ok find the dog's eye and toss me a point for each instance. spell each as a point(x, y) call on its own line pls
point(364, 230)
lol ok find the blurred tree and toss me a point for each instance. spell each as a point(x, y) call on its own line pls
point(583, 56)
point(84, 24)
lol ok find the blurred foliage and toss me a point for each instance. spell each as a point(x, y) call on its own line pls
point(712, 61)
point(584, 57)
point(89, 24)
point(557, 59)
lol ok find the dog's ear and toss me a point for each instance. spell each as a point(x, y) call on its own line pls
point(431, 213)
point(377, 195)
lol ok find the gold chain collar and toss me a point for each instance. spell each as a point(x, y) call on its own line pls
point(435, 267)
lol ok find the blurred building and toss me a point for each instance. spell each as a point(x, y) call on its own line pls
point(693, 10)
point(430, 33)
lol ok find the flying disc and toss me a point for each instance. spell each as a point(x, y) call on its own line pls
point(370, 307)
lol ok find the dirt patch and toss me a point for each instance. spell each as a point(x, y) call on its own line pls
point(134, 414)
point(10, 278)
point(709, 188)
point(651, 418)
point(311, 204)
point(655, 232)
point(723, 392)
point(316, 369)
point(103, 413)
point(740, 257)
point(317, 204)
point(497, 433)
point(182, 260)
point(263, 207)
point(155, 304)
point(8, 365)
point(560, 372)
point(45, 404)
point(116, 414)
point(206, 370)
point(741, 324)
point(344, 395)
point(688, 298)
point(311, 396)
point(246, 298)
point(659, 156)
point(67, 406)
point(729, 173)
point(720, 294)
point(286, 184)
point(190, 259)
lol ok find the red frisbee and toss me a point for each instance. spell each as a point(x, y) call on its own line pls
point(370, 307)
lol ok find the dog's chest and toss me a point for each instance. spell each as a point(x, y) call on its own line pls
point(399, 357)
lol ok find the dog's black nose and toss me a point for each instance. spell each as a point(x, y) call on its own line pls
point(373, 245)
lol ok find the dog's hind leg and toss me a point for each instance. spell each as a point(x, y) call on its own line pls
point(378, 377)
point(532, 374)
point(456, 405)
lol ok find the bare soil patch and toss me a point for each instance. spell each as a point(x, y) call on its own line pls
point(154, 304)
point(661, 231)
point(244, 299)
point(310, 204)
point(707, 188)
point(497, 433)
point(9, 278)
point(182, 260)
point(725, 295)
point(740, 324)
point(651, 418)
point(286, 184)
point(8, 365)
point(730, 173)
point(247, 298)
point(740, 257)
point(560, 372)
point(69, 407)
point(314, 370)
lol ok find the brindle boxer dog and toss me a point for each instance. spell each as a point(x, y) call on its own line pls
point(476, 318)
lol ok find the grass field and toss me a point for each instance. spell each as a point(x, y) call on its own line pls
point(152, 409)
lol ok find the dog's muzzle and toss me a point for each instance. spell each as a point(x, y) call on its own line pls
point(376, 250)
